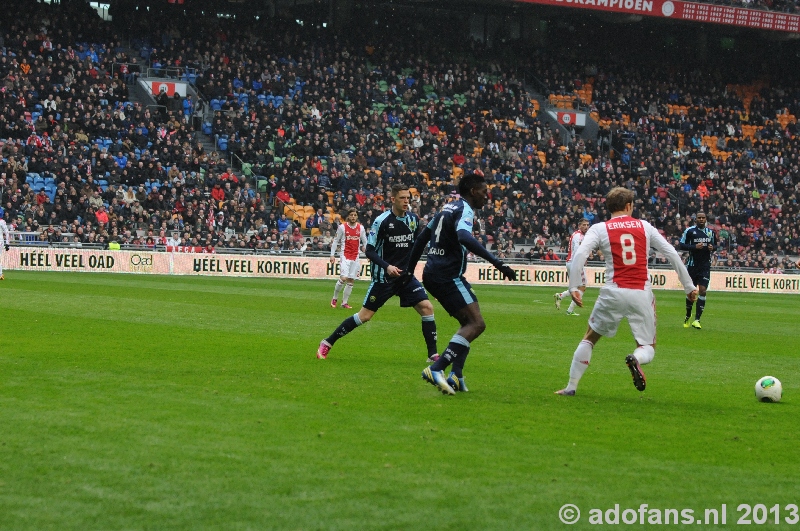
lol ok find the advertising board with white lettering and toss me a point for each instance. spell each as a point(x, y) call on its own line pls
point(280, 266)
point(47, 259)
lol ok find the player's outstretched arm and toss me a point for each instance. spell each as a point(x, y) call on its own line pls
point(475, 247)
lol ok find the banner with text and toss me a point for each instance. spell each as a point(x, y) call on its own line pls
point(46, 259)
point(277, 266)
point(678, 10)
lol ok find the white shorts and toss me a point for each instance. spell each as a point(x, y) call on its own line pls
point(349, 268)
point(583, 273)
point(639, 306)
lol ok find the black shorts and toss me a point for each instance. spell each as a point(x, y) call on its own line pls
point(379, 292)
point(453, 294)
point(700, 275)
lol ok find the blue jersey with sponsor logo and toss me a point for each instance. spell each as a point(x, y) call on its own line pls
point(393, 237)
point(447, 258)
point(691, 237)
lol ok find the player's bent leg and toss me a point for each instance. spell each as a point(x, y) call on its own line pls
point(347, 326)
point(471, 321)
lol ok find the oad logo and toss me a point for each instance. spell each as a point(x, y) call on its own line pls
point(141, 262)
point(566, 118)
point(667, 8)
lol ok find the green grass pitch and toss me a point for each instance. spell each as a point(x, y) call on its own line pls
point(132, 402)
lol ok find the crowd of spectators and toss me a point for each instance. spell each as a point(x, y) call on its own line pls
point(330, 123)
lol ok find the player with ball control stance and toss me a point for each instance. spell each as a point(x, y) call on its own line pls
point(625, 243)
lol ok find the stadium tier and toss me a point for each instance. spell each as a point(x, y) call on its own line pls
point(292, 127)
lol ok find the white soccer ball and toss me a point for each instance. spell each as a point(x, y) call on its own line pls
point(769, 389)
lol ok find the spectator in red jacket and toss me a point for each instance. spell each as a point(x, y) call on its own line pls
point(218, 193)
point(283, 195)
point(101, 215)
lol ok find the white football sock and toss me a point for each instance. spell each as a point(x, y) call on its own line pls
point(565, 295)
point(571, 306)
point(580, 362)
point(645, 354)
point(348, 289)
point(337, 289)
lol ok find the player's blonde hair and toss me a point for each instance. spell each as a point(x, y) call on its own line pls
point(617, 198)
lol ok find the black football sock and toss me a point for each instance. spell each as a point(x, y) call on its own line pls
point(458, 365)
point(458, 346)
point(701, 305)
point(429, 333)
point(689, 305)
point(347, 326)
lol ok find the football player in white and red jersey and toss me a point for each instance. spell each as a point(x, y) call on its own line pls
point(574, 242)
point(625, 243)
point(351, 239)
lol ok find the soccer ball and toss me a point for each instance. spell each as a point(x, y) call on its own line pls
point(769, 389)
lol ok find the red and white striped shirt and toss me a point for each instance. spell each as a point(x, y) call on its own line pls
point(625, 243)
point(574, 242)
point(349, 240)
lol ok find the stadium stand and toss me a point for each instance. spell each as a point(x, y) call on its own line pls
point(329, 123)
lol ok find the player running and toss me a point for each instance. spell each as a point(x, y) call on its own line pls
point(450, 237)
point(351, 239)
point(625, 243)
point(700, 241)
point(388, 247)
point(5, 240)
point(574, 242)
